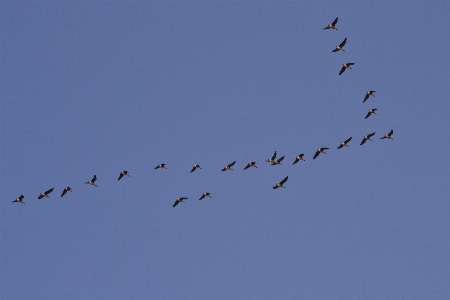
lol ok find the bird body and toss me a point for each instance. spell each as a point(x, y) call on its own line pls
point(207, 194)
point(123, 173)
point(19, 199)
point(344, 143)
point(346, 66)
point(371, 111)
point(92, 182)
point(228, 167)
point(367, 137)
point(368, 94)
point(341, 45)
point(272, 160)
point(250, 164)
point(332, 25)
point(45, 194)
point(66, 189)
point(278, 161)
point(195, 167)
point(298, 158)
point(280, 184)
point(179, 200)
point(320, 150)
point(388, 136)
point(161, 166)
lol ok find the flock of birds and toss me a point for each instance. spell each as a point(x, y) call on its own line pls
point(272, 160)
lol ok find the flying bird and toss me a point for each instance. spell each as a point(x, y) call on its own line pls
point(388, 136)
point(19, 199)
point(345, 66)
point(272, 160)
point(367, 137)
point(66, 189)
point(92, 182)
point(278, 161)
point(195, 167)
point(371, 111)
point(280, 184)
point(341, 45)
point(179, 200)
point(250, 164)
point(161, 166)
point(207, 194)
point(298, 158)
point(331, 26)
point(368, 94)
point(228, 167)
point(123, 173)
point(320, 150)
point(45, 194)
point(344, 143)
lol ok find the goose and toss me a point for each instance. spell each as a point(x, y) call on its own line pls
point(345, 66)
point(207, 194)
point(195, 167)
point(320, 150)
point(179, 200)
point(367, 137)
point(19, 199)
point(250, 164)
point(341, 45)
point(45, 194)
point(272, 160)
point(331, 26)
point(123, 173)
point(66, 189)
point(371, 111)
point(344, 143)
point(368, 94)
point(388, 136)
point(298, 158)
point(280, 184)
point(278, 161)
point(228, 167)
point(92, 182)
point(161, 166)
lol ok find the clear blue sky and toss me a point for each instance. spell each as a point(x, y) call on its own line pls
point(100, 87)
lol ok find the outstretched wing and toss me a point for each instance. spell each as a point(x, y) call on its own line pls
point(366, 97)
point(49, 191)
point(348, 140)
point(280, 159)
point(274, 155)
point(391, 132)
point(371, 135)
point(342, 70)
point(363, 141)
point(284, 180)
point(120, 176)
point(94, 179)
point(317, 154)
point(176, 203)
point(232, 164)
point(334, 22)
point(64, 192)
point(368, 115)
point(343, 43)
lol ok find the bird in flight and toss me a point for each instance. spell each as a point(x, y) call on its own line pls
point(161, 166)
point(344, 143)
point(332, 25)
point(280, 184)
point(320, 150)
point(368, 94)
point(250, 164)
point(367, 137)
point(272, 160)
point(278, 161)
point(228, 167)
point(341, 45)
point(66, 189)
point(123, 173)
point(371, 111)
point(179, 200)
point(45, 194)
point(19, 199)
point(345, 66)
point(195, 167)
point(207, 194)
point(298, 158)
point(92, 182)
point(388, 136)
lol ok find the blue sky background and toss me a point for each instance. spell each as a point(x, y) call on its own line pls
point(100, 87)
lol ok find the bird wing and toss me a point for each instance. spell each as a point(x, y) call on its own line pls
point(391, 132)
point(94, 179)
point(317, 154)
point(274, 155)
point(348, 140)
point(120, 176)
point(368, 114)
point(324, 148)
point(334, 22)
point(247, 166)
point(372, 134)
point(284, 180)
point(193, 169)
point(40, 196)
point(183, 198)
point(232, 164)
point(350, 64)
point(280, 159)
point(340, 146)
point(49, 191)
point(296, 161)
point(343, 43)
point(203, 196)
point(64, 192)
point(363, 141)
point(176, 203)
point(366, 97)
point(342, 70)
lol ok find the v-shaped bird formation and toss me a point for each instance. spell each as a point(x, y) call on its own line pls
point(272, 160)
